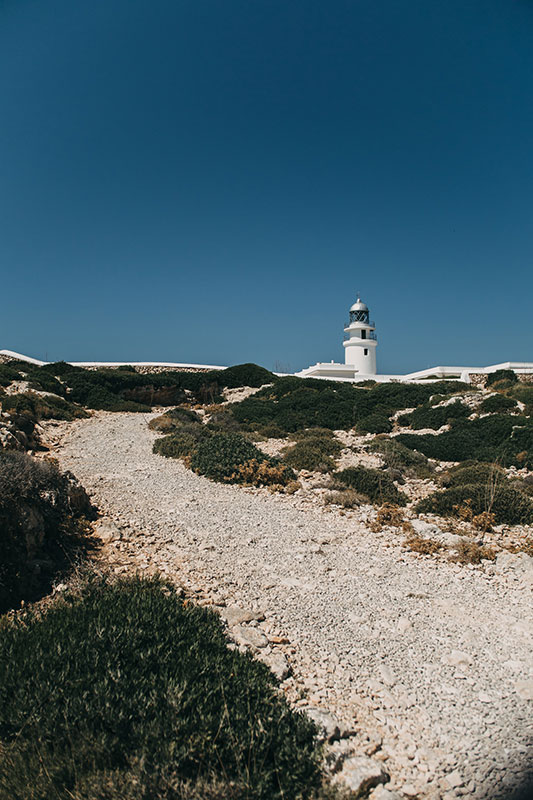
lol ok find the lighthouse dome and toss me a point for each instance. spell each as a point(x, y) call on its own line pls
point(359, 306)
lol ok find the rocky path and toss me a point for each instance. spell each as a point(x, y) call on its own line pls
point(430, 662)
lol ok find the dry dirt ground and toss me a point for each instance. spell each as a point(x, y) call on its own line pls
point(426, 663)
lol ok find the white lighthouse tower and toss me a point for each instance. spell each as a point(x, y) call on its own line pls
point(360, 340)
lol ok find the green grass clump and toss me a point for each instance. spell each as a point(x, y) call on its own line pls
point(373, 483)
point(497, 438)
point(497, 403)
point(313, 450)
point(122, 691)
point(509, 505)
point(427, 416)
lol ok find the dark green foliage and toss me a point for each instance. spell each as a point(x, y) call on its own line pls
point(378, 422)
point(36, 407)
point(245, 375)
point(37, 504)
point(123, 692)
point(295, 403)
point(313, 451)
point(398, 456)
point(502, 438)
point(470, 473)
point(496, 403)
point(8, 374)
point(61, 369)
point(223, 421)
point(426, 416)
point(101, 399)
point(522, 392)
point(374, 483)
point(507, 375)
point(182, 442)
point(508, 505)
point(219, 456)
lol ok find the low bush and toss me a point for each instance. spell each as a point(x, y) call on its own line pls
point(347, 498)
point(172, 420)
point(39, 509)
point(373, 483)
point(220, 456)
point(313, 450)
point(37, 407)
point(397, 456)
point(377, 422)
point(122, 691)
point(182, 442)
point(473, 472)
point(293, 404)
point(496, 403)
point(507, 375)
point(508, 505)
point(8, 374)
point(245, 375)
point(262, 473)
point(498, 437)
point(427, 416)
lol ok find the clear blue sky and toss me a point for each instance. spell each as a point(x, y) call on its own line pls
point(212, 180)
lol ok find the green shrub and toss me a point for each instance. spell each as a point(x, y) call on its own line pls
point(173, 420)
point(121, 691)
point(496, 403)
point(377, 422)
point(507, 375)
point(101, 399)
point(427, 416)
point(522, 392)
point(470, 473)
point(36, 407)
point(508, 505)
point(219, 456)
point(397, 456)
point(373, 483)
point(182, 442)
point(293, 403)
point(223, 421)
point(245, 375)
point(309, 455)
point(499, 437)
point(8, 374)
point(38, 509)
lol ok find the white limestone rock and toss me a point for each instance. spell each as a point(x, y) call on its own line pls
point(359, 774)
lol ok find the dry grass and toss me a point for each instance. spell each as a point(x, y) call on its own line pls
point(348, 498)
point(472, 553)
point(425, 547)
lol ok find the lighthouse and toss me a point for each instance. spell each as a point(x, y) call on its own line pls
point(360, 340)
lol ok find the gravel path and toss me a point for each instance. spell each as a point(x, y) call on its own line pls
point(432, 659)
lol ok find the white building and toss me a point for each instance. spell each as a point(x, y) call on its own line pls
point(360, 344)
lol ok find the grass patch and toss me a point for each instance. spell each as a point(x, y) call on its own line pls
point(399, 457)
point(120, 690)
point(427, 416)
point(223, 456)
point(313, 450)
point(497, 403)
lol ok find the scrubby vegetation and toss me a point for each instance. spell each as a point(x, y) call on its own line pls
point(314, 450)
point(496, 403)
point(399, 457)
point(497, 437)
point(427, 416)
point(375, 484)
point(120, 690)
point(40, 525)
point(223, 456)
point(508, 505)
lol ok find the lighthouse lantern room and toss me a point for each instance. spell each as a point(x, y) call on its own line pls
point(360, 340)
